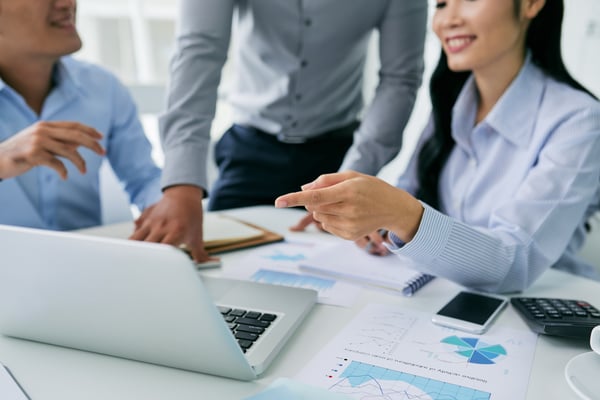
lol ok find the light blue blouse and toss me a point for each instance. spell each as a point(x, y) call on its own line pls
point(92, 96)
point(517, 188)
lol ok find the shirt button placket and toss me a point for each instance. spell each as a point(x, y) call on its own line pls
point(470, 173)
point(48, 196)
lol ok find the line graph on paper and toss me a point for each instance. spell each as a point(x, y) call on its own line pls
point(365, 381)
point(382, 334)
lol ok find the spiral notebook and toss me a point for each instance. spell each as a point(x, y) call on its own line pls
point(346, 261)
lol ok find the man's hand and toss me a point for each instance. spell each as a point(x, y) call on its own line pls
point(177, 220)
point(43, 143)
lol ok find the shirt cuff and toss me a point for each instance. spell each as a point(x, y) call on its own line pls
point(394, 243)
point(429, 241)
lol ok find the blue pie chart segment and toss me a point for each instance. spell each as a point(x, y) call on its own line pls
point(474, 350)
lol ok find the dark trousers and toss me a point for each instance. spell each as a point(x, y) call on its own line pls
point(255, 167)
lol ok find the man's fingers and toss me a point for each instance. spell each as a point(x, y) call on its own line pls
point(81, 139)
point(200, 255)
point(69, 152)
point(56, 165)
point(74, 133)
point(140, 233)
point(159, 236)
point(72, 125)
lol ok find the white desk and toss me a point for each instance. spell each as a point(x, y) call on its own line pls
point(49, 372)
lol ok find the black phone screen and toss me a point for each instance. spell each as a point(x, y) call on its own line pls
point(471, 307)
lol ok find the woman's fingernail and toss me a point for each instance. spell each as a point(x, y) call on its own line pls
point(281, 203)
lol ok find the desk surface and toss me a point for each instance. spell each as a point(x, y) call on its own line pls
point(51, 372)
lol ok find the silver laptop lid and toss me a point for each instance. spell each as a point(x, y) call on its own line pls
point(135, 300)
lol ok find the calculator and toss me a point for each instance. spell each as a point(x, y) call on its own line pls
point(558, 317)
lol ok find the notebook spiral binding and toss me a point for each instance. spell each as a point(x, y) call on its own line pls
point(415, 284)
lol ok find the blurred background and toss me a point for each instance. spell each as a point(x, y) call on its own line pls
point(134, 39)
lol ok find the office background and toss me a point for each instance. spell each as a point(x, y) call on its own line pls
point(134, 39)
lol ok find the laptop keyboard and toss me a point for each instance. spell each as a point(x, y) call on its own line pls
point(246, 326)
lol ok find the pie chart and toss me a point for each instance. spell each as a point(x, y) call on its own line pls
point(474, 350)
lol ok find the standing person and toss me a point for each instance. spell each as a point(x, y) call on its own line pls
point(296, 99)
point(59, 118)
point(508, 168)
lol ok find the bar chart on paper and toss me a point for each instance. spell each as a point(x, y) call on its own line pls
point(290, 279)
point(365, 381)
point(277, 264)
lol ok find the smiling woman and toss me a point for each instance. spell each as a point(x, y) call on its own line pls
point(506, 173)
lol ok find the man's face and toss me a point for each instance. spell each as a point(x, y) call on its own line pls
point(38, 28)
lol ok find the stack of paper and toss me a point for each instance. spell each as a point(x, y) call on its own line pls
point(221, 233)
point(221, 230)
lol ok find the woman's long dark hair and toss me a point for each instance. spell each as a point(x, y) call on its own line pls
point(543, 41)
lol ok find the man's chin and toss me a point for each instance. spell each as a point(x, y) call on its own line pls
point(74, 45)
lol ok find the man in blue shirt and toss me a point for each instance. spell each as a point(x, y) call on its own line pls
point(59, 118)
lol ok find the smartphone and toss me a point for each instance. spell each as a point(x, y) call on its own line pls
point(470, 312)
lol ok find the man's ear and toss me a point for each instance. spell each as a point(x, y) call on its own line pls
point(530, 8)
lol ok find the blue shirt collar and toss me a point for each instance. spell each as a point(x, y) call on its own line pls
point(513, 116)
point(65, 73)
point(67, 88)
point(64, 76)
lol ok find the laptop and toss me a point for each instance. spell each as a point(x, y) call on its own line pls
point(140, 301)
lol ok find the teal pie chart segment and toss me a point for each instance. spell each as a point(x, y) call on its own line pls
point(474, 350)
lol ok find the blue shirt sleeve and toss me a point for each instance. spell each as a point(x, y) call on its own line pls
point(129, 152)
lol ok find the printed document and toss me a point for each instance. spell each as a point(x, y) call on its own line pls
point(390, 353)
point(279, 263)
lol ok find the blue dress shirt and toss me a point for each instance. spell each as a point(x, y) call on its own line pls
point(298, 73)
point(92, 96)
point(517, 189)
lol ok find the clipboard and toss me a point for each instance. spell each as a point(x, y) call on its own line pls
point(265, 236)
point(221, 237)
